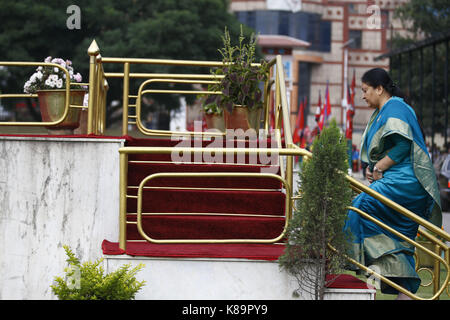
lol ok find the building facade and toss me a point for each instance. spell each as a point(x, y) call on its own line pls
point(344, 38)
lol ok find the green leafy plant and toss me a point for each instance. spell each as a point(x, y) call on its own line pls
point(319, 216)
point(88, 281)
point(241, 80)
point(210, 106)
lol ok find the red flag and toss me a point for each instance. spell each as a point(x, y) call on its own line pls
point(327, 103)
point(352, 89)
point(299, 124)
point(350, 112)
point(321, 118)
point(319, 107)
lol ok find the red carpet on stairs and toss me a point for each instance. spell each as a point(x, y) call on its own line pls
point(231, 250)
point(257, 206)
point(238, 207)
point(213, 227)
point(138, 171)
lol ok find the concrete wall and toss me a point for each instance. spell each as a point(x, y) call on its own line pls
point(221, 279)
point(53, 192)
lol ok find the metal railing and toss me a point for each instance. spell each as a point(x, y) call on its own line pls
point(289, 151)
point(98, 88)
point(67, 105)
point(285, 151)
point(286, 173)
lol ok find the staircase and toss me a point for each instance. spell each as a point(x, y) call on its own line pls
point(204, 208)
point(208, 226)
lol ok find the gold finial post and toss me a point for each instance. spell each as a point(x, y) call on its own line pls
point(92, 51)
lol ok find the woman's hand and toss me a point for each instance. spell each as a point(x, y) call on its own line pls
point(369, 175)
point(377, 175)
point(373, 175)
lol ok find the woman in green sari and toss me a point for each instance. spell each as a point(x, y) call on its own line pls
point(400, 168)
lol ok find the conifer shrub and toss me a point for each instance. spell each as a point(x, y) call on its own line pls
point(319, 216)
point(88, 281)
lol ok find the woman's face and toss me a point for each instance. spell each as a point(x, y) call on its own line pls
point(370, 95)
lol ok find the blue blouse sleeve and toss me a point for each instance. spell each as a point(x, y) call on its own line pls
point(401, 147)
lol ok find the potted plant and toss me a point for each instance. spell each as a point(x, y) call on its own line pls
point(242, 97)
point(319, 217)
point(88, 281)
point(49, 83)
point(214, 115)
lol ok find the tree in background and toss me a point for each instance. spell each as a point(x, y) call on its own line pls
point(423, 19)
point(169, 29)
point(319, 216)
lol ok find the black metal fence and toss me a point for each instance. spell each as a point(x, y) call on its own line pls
point(421, 70)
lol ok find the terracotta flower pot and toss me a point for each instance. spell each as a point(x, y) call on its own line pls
point(216, 121)
point(244, 118)
point(51, 104)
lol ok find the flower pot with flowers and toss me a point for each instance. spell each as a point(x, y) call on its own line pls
point(49, 83)
point(241, 86)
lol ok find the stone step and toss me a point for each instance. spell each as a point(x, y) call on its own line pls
point(226, 279)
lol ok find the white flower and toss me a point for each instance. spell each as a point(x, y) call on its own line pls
point(50, 83)
point(49, 77)
point(26, 87)
point(78, 77)
point(33, 77)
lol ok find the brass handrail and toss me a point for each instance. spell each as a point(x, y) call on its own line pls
point(141, 92)
point(205, 174)
point(360, 187)
point(126, 75)
point(98, 87)
point(67, 104)
point(282, 121)
point(125, 151)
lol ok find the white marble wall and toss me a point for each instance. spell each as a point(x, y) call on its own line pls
point(53, 192)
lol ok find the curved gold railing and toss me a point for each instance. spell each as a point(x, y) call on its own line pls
point(141, 93)
point(67, 105)
point(439, 245)
point(289, 151)
point(285, 149)
point(203, 174)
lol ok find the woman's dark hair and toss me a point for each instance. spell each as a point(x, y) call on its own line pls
point(379, 77)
